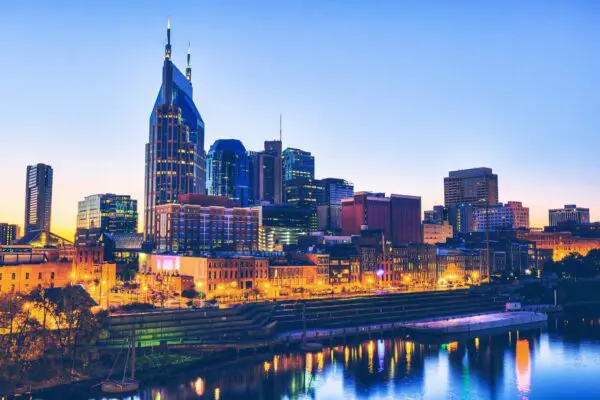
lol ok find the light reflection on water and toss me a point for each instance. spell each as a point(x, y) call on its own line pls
point(533, 364)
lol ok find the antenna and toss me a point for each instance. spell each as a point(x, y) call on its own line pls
point(280, 129)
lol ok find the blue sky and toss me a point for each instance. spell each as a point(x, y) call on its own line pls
point(390, 95)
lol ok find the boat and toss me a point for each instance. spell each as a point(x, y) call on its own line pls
point(126, 384)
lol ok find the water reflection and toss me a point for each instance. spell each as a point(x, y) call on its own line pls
point(532, 364)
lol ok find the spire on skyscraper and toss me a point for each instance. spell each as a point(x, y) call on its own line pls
point(188, 69)
point(280, 128)
point(168, 45)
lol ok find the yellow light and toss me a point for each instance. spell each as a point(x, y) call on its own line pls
point(145, 288)
point(199, 284)
point(233, 284)
point(199, 387)
point(267, 366)
point(104, 282)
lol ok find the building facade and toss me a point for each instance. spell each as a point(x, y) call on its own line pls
point(282, 225)
point(211, 274)
point(105, 213)
point(475, 186)
point(297, 164)
point(191, 228)
point(561, 243)
point(9, 233)
point(570, 214)
point(397, 216)
point(228, 171)
point(266, 174)
point(437, 233)
point(175, 158)
point(38, 198)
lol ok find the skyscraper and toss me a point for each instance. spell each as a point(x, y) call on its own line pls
point(105, 213)
point(175, 158)
point(570, 214)
point(227, 167)
point(266, 169)
point(297, 164)
point(38, 198)
point(330, 210)
point(477, 186)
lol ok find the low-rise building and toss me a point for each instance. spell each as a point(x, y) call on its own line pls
point(561, 243)
point(211, 273)
point(22, 270)
point(434, 233)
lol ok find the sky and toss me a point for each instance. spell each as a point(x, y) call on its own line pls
point(390, 95)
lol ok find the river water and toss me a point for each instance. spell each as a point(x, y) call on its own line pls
point(561, 361)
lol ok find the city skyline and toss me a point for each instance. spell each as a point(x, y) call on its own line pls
point(478, 123)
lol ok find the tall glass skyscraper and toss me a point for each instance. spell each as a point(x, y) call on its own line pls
point(175, 158)
point(38, 198)
point(228, 170)
point(100, 213)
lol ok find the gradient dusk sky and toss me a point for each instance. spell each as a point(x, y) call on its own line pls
point(390, 95)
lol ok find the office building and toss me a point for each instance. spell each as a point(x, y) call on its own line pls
point(297, 164)
point(460, 217)
point(335, 190)
point(476, 186)
point(570, 214)
point(227, 170)
point(397, 216)
point(405, 219)
point(9, 233)
point(266, 174)
point(105, 213)
point(175, 158)
point(38, 198)
point(435, 216)
point(520, 214)
point(366, 211)
point(282, 225)
point(437, 233)
point(185, 228)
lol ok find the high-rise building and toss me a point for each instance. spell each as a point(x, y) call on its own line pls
point(282, 224)
point(330, 210)
point(493, 218)
point(397, 216)
point(366, 211)
point(336, 189)
point(297, 164)
point(475, 186)
point(105, 213)
point(9, 233)
point(520, 214)
point(438, 215)
point(405, 219)
point(570, 214)
point(304, 192)
point(175, 158)
point(196, 228)
point(266, 170)
point(460, 216)
point(227, 170)
point(38, 198)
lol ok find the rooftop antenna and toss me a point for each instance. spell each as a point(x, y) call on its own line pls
point(280, 129)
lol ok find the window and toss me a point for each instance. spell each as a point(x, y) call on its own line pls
point(52, 276)
point(26, 275)
point(14, 276)
point(39, 275)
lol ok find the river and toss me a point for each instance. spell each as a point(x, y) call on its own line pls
point(561, 361)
